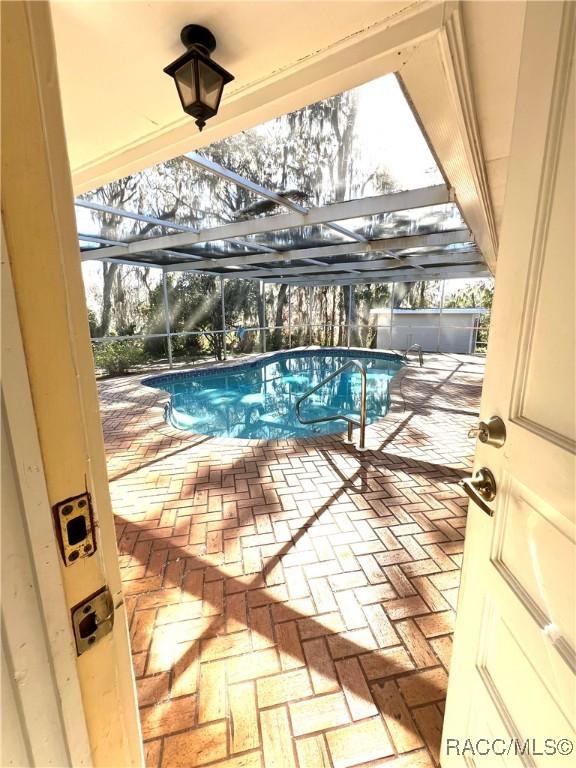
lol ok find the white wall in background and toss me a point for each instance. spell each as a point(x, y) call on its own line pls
point(449, 330)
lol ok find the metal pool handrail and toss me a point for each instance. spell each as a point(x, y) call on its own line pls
point(340, 417)
point(415, 348)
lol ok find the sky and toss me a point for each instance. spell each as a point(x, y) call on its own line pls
point(390, 135)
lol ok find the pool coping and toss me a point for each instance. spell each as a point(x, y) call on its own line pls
point(254, 361)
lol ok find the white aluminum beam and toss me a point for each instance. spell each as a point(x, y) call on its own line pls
point(286, 271)
point(360, 266)
point(93, 206)
point(135, 262)
point(393, 275)
point(103, 241)
point(371, 277)
point(269, 194)
point(438, 239)
point(168, 223)
point(190, 268)
point(350, 209)
point(163, 222)
point(164, 267)
point(128, 263)
point(469, 256)
point(191, 256)
point(257, 271)
point(225, 173)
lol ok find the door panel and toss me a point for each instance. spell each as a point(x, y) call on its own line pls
point(485, 726)
point(528, 531)
point(515, 636)
point(521, 669)
point(549, 305)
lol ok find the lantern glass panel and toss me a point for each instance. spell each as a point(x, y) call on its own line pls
point(185, 82)
point(211, 84)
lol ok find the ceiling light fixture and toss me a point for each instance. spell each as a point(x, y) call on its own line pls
point(199, 80)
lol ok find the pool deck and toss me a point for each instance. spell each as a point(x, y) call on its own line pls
point(291, 603)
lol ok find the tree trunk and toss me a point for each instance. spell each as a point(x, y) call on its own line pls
point(422, 296)
point(332, 329)
point(341, 318)
point(279, 320)
point(323, 314)
point(261, 316)
point(351, 316)
point(401, 290)
point(108, 273)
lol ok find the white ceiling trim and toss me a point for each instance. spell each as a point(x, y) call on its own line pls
point(437, 80)
point(453, 48)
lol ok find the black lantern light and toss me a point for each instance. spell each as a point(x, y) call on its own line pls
point(199, 80)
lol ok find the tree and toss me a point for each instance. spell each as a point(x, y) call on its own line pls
point(111, 226)
point(370, 296)
point(312, 157)
point(477, 293)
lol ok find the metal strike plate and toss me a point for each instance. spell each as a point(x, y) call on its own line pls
point(75, 528)
point(92, 619)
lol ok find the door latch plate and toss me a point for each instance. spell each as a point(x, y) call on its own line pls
point(92, 619)
point(75, 528)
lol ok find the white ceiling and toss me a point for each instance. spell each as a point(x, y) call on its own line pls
point(118, 103)
point(111, 56)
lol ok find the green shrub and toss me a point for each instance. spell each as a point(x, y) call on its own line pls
point(118, 357)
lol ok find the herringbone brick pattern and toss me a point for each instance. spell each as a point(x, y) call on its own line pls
point(291, 603)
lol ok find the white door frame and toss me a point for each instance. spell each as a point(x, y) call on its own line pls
point(37, 644)
point(50, 313)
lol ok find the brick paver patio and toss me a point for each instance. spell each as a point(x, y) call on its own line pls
point(291, 603)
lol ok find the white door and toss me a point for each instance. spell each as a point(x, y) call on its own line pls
point(513, 671)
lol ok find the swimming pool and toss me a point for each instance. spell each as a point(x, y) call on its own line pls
point(256, 399)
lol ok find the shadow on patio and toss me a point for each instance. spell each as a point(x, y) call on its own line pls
point(292, 603)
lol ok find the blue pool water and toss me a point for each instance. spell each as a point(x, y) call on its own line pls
point(256, 400)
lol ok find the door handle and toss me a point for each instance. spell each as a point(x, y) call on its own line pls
point(481, 487)
point(491, 432)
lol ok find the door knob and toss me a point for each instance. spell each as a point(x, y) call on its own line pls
point(491, 432)
point(481, 487)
